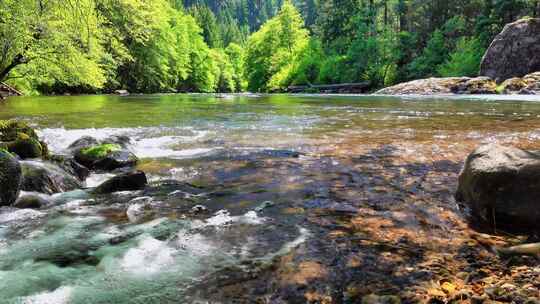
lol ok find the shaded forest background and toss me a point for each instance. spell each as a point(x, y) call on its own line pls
point(98, 46)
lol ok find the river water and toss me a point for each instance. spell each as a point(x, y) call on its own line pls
point(280, 175)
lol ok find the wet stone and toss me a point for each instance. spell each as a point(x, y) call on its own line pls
point(123, 182)
point(30, 201)
point(198, 209)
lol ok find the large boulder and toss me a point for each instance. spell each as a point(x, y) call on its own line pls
point(45, 177)
point(448, 85)
point(501, 186)
point(10, 178)
point(515, 52)
point(124, 182)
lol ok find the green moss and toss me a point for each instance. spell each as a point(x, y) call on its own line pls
point(26, 148)
point(100, 151)
point(500, 89)
point(11, 130)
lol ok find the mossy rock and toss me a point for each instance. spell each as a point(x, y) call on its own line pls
point(26, 147)
point(106, 157)
point(17, 137)
point(11, 130)
point(10, 178)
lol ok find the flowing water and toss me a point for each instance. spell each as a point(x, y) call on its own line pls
point(276, 173)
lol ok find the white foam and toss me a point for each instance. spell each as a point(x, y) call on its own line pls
point(252, 218)
point(150, 142)
point(58, 139)
point(20, 215)
point(60, 295)
point(149, 257)
point(195, 244)
point(96, 179)
point(138, 207)
point(224, 218)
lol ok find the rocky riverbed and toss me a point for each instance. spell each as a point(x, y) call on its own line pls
point(265, 200)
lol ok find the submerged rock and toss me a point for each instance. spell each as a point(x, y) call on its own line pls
point(45, 177)
point(30, 201)
point(501, 185)
point(515, 52)
point(10, 178)
point(449, 85)
point(106, 157)
point(124, 182)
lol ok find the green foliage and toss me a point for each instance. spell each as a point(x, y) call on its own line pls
point(434, 54)
point(307, 68)
point(236, 56)
point(93, 46)
point(208, 22)
point(273, 49)
point(48, 42)
point(464, 60)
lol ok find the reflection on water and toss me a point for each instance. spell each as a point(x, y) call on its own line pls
point(265, 168)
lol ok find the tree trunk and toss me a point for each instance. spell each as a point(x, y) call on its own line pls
point(19, 59)
point(402, 16)
point(385, 13)
point(372, 17)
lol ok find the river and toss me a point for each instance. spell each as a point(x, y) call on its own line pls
point(309, 197)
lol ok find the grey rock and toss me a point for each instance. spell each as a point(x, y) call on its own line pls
point(45, 177)
point(501, 186)
point(515, 52)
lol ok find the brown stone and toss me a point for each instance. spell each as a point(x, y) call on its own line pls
point(448, 85)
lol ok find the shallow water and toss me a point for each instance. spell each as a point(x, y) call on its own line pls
point(238, 156)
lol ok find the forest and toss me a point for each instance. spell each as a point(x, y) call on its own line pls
point(99, 46)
